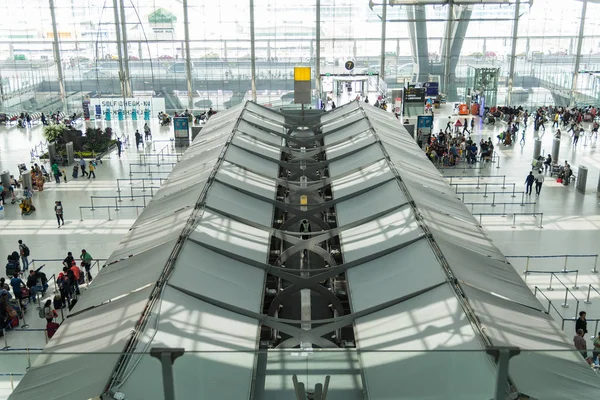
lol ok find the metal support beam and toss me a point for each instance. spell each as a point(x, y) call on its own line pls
point(119, 52)
point(188, 59)
point(125, 44)
point(502, 356)
point(448, 42)
point(383, 27)
point(252, 51)
point(318, 51)
point(513, 53)
point(578, 57)
point(56, 51)
point(167, 357)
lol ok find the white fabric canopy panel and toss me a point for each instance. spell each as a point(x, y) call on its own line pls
point(247, 180)
point(147, 236)
point(256, 146)
point(220, 351)
point(424, 348)
point(393, 276)
point(79, 360)
point(548, 367)
point(361, 179)
point(381, 234)
point(252, 130)
point(234, 237)
point(252, 162)
point(125, 276)
point(231, 201)
point(376, 200)
point(351, 133)
point(361, 158)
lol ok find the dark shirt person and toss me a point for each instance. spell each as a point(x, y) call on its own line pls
point(581, 322)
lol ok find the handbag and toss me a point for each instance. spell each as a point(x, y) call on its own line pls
point(11, 312)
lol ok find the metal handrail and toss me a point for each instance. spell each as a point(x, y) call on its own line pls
point(108, 208)
point(541, 214)
point(566, 256)
point(590, 287)
point(537, 289)
point(567, 292)
point(479, 177)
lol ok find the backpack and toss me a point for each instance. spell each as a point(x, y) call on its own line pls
point(26, 251)
point(42, 277)
point(42, 312)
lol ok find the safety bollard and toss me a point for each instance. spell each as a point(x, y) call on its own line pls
point(527, 264)
point(485, 191)
point(576, 277)
point(550, 285)
point(565, 266)
point(587, 300)
point(80, 214)
point(494, 199)
point(25, 324)
point(595, 270)
point(116, 205)
point(565, 304)
point(523, 199)
point(6, 346)
point(92, 200)
point(514, 225)
point(109, 218)
point(504, 182)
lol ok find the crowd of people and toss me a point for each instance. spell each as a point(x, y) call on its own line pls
point(16, 294)
point(448, 148)
point(580, 343)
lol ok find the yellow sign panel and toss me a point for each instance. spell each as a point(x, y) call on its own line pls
point(302, 73)
point(303, 200)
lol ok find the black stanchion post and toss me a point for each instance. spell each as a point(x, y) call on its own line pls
point(514, 225)
point(25, 324)
point(514, 186)
point(478, 182)
point(494, 199)
point(80, 214)
point(131, 188)
point(485, 191)
point(504, 182)
point(92, 200)
point(523, 199)
point(116, 205)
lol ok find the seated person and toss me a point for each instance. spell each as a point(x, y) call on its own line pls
point(547, 162)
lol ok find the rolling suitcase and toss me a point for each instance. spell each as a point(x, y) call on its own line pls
point(75, 171)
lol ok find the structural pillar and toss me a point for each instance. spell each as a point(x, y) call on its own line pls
point(383, 27)
point(252, 52)
point(119, 52)
point(188, 59)
point(578, 56)
point(449, 23)
point(318, 51)
point(56, 51)
point(126, 81)
point(513, 54)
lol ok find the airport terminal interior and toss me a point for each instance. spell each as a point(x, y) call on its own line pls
point(329, 199)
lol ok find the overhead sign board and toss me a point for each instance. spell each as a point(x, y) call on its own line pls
point(414, 95)
point(349, 65)
point(432, 88)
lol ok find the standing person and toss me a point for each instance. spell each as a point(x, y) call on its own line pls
point(58, 210)
point(82, 166)
point(473, 124)
point(576, 133)
point(86, 262)
point(539, 181)
point(579, 343)
point(596, 350)
point(24, 252)
point(49, 312)
point(555, 123)
point(16, 284)
point(119, 144)
point(581, 323)
point(465, 127)
point(138, 139)
point(448, 125)
point(32, 284)
point(146, 132)
point(529, 182)
point(56, 172)
point(69, 260)
point(92, 168)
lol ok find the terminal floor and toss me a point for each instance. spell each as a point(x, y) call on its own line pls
point(571, 221)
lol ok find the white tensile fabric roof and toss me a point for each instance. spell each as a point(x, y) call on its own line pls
point(427, 274)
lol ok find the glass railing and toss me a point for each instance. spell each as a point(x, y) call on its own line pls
point(342, 373)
